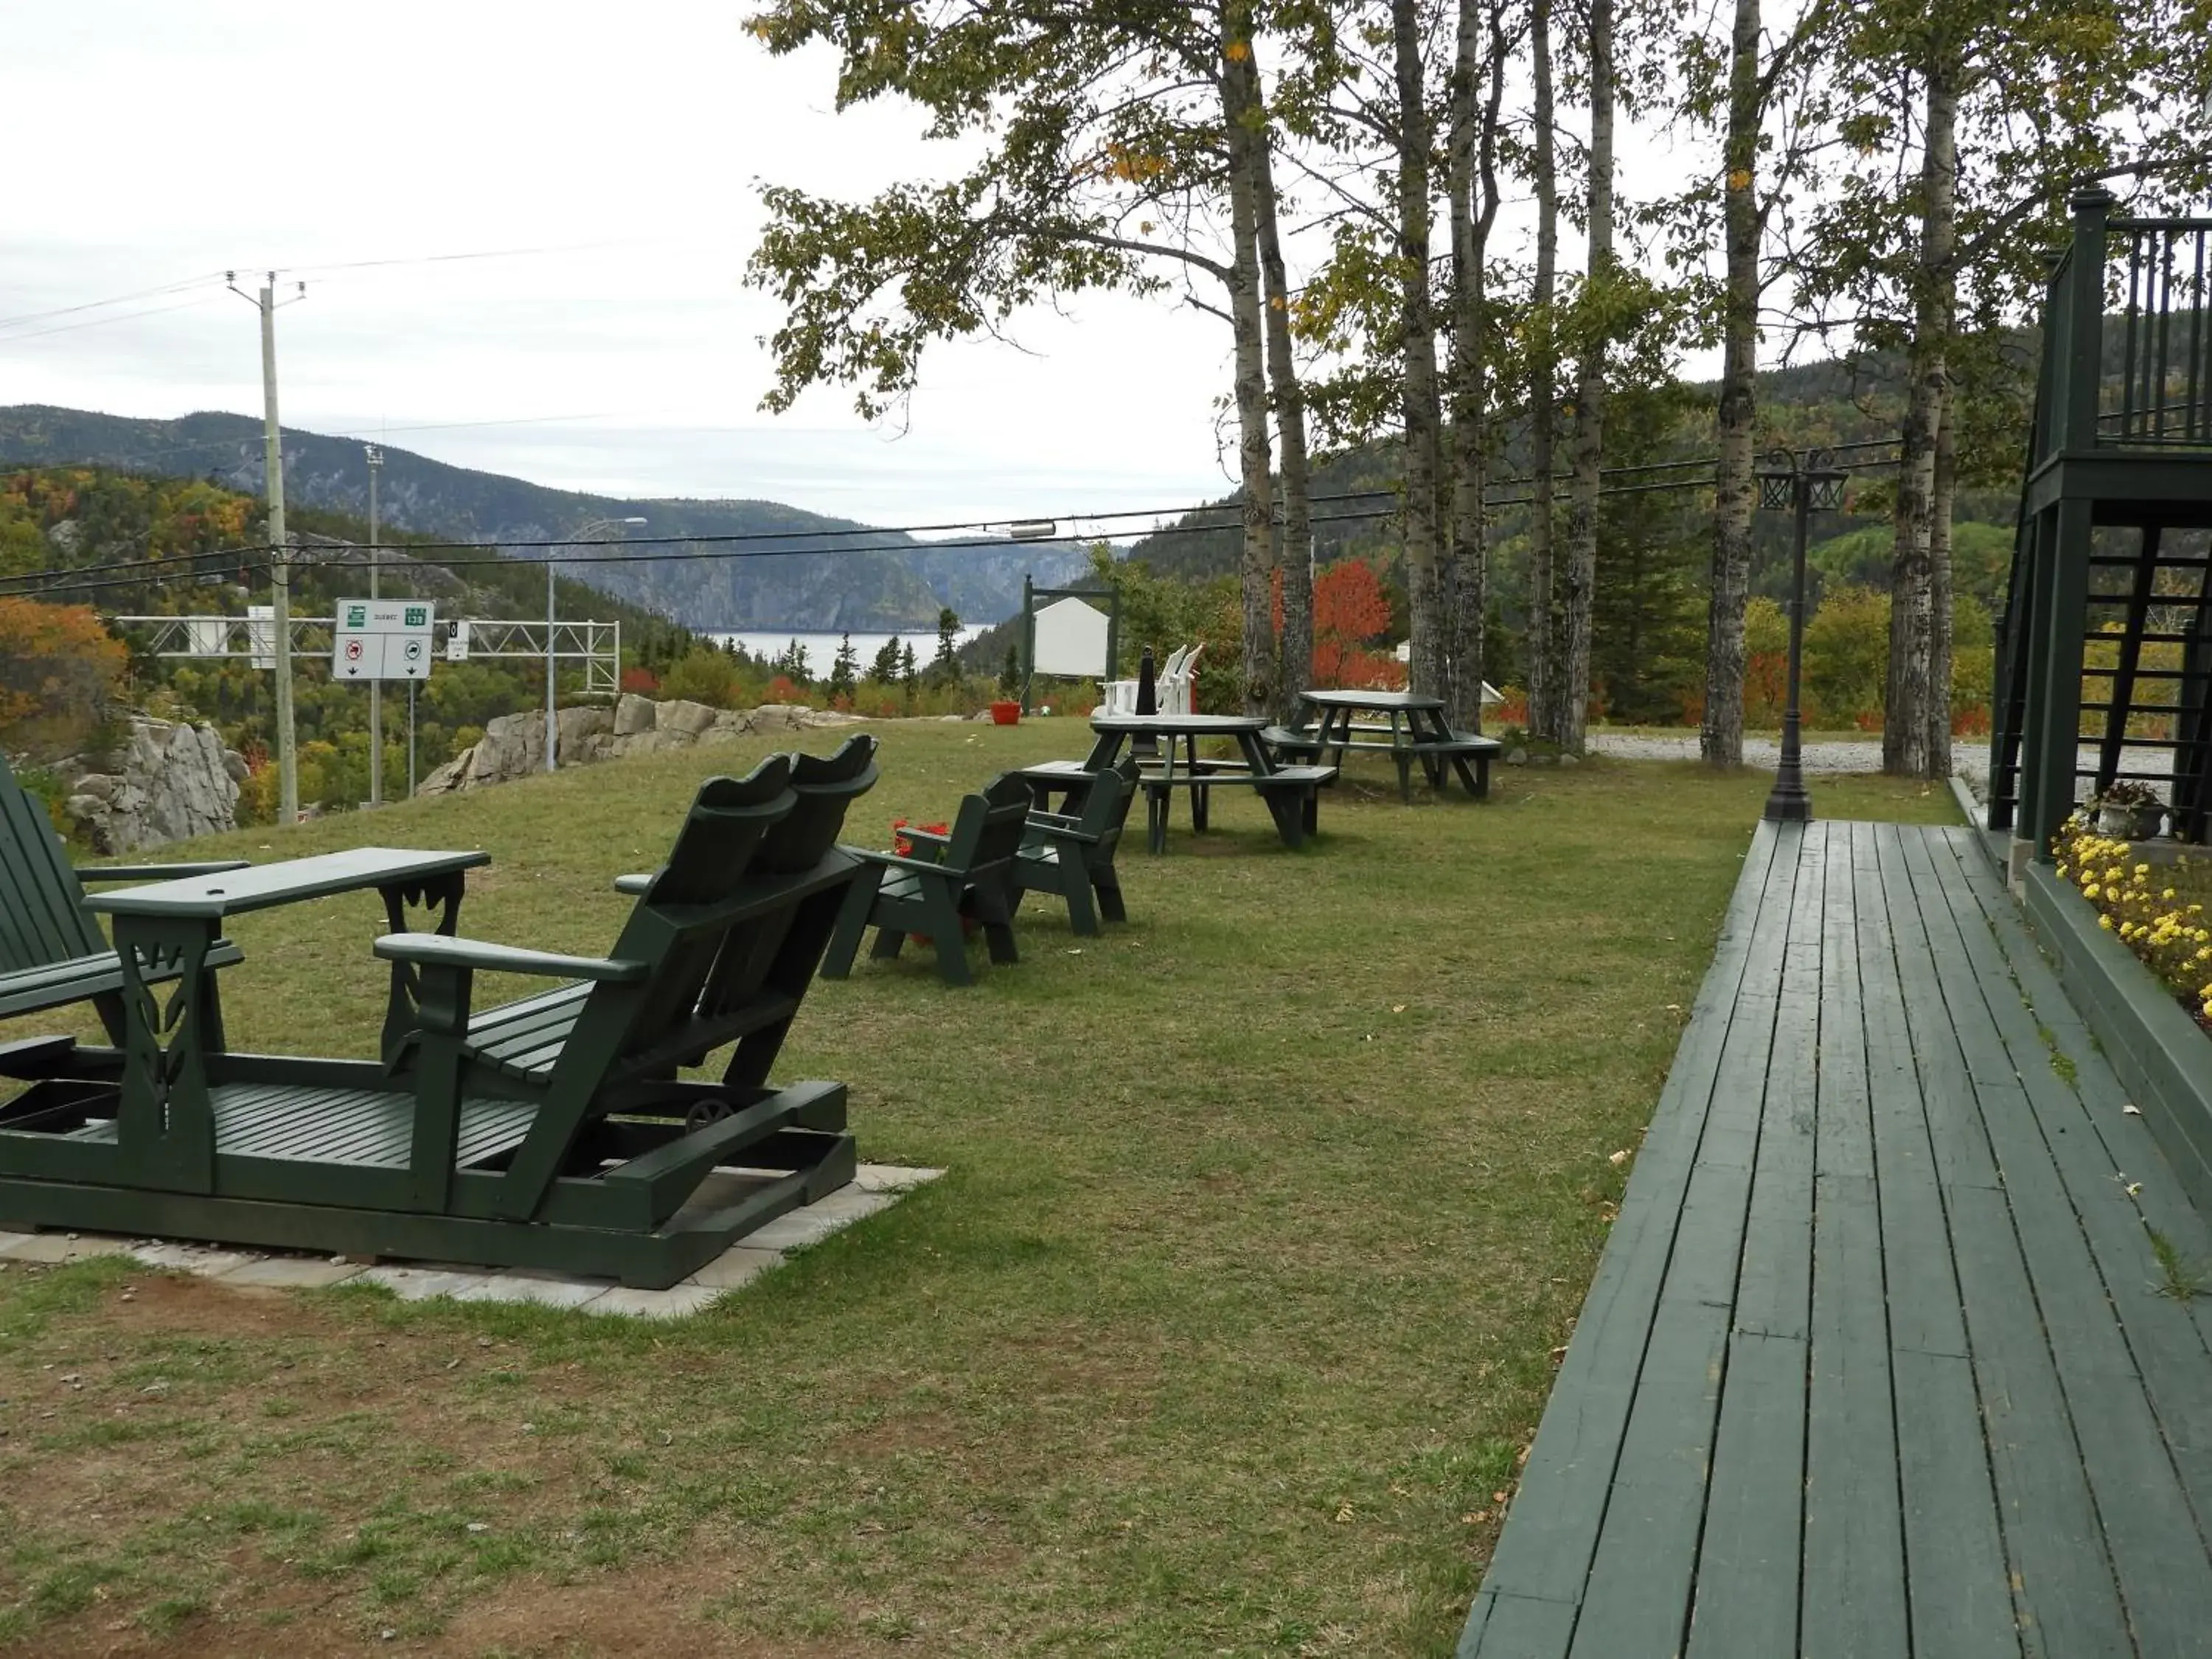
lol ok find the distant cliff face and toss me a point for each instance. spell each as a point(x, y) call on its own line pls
point(794, 576)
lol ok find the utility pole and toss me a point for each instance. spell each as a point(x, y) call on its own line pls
point(375, 687)
point(280, 556)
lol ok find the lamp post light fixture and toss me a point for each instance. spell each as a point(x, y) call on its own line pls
point(552, 725)
point(1814, 482)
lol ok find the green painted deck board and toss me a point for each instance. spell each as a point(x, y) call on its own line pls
point(1747, 1559)
point(360, 1126)
point(1873, 1363)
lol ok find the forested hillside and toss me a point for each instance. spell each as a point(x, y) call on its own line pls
point(794, 576)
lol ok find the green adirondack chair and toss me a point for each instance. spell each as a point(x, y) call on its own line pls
point(51, 951)
point(572, 1144)
point(968, 872)
point(1072, 853)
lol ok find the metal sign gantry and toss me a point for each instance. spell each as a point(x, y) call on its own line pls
point(596, 645)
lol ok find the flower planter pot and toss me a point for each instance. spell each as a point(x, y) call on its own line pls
point(1006, 714)
point(2131, 823)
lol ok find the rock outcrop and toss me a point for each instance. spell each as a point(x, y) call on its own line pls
point(174, 783)
point(513, 746)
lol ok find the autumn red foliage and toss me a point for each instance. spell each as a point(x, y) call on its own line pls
point(642, 681)
point(1350, 613)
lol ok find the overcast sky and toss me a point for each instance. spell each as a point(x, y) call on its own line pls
point(627, 140)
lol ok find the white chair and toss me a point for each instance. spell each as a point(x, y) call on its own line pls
point(1170, 681)
point(1186, 681)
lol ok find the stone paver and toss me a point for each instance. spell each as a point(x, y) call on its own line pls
point(419, 1284)
point(736, 1266)
point(542, 1289)
point(875, 1188)
point(58, 1247)
point(794, 1230)
point(294, 1273)
point(203, 1260)
point(674, 1303)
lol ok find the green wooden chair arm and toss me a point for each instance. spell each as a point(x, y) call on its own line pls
point(1055, 826)
point(893, 861)
point(438, 951)
point(938, 839)
point(156, 871)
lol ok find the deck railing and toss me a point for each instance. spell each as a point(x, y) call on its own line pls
point(2163, 394)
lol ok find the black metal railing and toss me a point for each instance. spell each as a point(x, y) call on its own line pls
point(2162, 393)
point(2127, 337)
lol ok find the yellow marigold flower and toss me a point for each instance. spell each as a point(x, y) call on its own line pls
point(2168, 893)
point(2142, 869)
point(2090, 891)
point(2061, 869)
point(2104, 922)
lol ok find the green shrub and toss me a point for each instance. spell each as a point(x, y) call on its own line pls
point(705, 675)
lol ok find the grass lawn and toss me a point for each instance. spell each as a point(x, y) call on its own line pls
point(1265, 1217)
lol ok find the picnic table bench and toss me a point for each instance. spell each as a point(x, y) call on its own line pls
point(1405, 727)
point(1292, 793)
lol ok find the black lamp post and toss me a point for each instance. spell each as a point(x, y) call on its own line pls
point(1814, 482)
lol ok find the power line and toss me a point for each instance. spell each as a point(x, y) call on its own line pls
point(119, 299)
point(102, 322)
point(740, 543)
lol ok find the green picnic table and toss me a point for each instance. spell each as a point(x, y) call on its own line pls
point(1291, 792)
point(1399, 724)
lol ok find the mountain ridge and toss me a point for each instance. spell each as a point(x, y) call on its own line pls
point(807, 571)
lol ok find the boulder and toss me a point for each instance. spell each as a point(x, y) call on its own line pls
point(176, 781)
point(574, 727)
point(447, 778)
point(513, 746)
point(634, 714)
point(680, 715)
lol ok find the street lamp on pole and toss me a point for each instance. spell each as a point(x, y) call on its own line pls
point(552, 728)
point(1804, 486)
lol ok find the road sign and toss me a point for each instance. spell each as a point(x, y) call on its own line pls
point(382, 640)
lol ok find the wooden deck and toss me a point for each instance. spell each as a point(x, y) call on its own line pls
point(1876, 1361)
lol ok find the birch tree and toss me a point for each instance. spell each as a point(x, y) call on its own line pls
point(1774, 121)
point(1121, 145)
point(1971, 122)
point(1570, 707)
point(1476, 105)
point(1543, 377)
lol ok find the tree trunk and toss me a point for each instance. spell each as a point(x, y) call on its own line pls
point(1418, 328)
point(1945, 492)
point(1543, 376)
point(1912, 620)
point(1573, 710)
point(1295, 547)
point(1720, 739)
point(1474, 151)
point(1256, 570)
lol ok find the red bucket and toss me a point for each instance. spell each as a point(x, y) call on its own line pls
point(1006, 714)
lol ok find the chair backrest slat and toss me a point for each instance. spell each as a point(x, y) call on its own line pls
point(671, 927)
point(825, 787)
point(43, 918)
point(998, 816)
